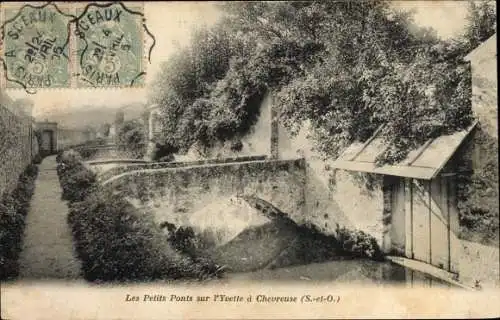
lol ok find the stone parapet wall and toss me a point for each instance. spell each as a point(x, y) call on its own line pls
point(175, 193)
point(122, 166)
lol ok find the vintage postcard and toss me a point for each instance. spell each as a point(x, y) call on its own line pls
point(249, 160)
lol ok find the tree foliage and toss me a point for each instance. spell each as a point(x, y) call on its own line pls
point(105, 129)
point(187, 79)
point(348, 68)
point(481, 22)
point(378, 71)
point(132, 135)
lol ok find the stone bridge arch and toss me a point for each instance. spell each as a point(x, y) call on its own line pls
point(172, 194)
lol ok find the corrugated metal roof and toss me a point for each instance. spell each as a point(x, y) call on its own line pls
point(423, 163)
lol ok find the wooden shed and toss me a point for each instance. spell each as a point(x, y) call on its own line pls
point(420, 215)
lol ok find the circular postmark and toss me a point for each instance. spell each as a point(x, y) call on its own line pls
point(110, 47)
point(35, 41)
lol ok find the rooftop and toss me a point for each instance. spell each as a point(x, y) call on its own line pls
point(423, 163)
point(487, 48)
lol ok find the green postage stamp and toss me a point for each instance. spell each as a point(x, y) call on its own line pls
point(35, 47)
point(73, 45)
point(109, 45)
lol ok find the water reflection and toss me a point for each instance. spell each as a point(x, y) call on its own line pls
point(366, 272)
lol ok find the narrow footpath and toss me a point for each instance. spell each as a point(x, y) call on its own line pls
point(47, 246)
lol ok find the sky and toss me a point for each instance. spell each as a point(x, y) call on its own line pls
point(172, 22)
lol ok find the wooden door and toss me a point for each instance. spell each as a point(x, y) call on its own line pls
point(440, 242)
point(47, 141)
point(420, 221)
point(429, 206)
point(398, 219)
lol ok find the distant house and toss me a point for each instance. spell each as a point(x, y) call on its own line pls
point(49, 137)
point(71, 137)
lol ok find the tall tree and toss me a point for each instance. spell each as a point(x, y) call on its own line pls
point(189, 75)
point(481, 22)
point(346, 67)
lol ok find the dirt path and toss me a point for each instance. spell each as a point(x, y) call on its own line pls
point(47, 246)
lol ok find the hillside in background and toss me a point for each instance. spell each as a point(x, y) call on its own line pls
point(92, 116)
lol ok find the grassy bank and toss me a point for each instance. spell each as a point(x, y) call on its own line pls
point(14, 208)
point(114, 240)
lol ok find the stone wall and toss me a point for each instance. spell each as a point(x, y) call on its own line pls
point(333, 198)
point(17, 143)
point(483, 62)
point(173, 194)
point(108, 169)
point(479, 156)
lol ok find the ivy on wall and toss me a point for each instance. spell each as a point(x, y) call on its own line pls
point(477, 188)
point(15, 147)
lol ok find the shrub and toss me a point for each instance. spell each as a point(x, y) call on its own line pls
point(59, 156)
point(132, 136)
point(75, 179)
point(87, 153)
point(37, 159)
point(13, 210)
point(163, 152)
point(477, 188)
point(186, 241)
point(116, 242)
point(77, 183)
point(358, 244)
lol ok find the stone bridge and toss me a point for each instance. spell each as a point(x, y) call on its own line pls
point(175, 190)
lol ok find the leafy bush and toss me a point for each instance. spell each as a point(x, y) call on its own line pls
point(163, 152)
point(13, 210)
point(116, 242)
point(477, 188)
point(358, 244)
point(186, 241)
point(69, 158)
point(132, 136)
point(59, 156)
point(75, 179)
point(87, 153)
point(37, 159)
